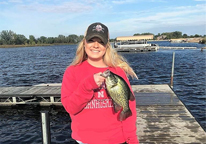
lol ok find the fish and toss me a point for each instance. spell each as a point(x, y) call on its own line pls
point(120, 93)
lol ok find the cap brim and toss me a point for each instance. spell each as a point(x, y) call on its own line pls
point(98, 36)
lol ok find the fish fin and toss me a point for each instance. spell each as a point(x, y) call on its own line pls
point(131, 97)
point(114, 85)
point(123, 115)
point(116, 107)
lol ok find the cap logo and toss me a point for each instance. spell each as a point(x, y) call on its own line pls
point(98, 28)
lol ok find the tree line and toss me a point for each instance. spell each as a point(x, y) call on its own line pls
point(8, 37)
point(171, 35)
point(11, 38)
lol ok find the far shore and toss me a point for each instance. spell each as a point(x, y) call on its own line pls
point(36, 45)
point(158, 40)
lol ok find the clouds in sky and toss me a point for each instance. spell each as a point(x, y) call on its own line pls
point(123, 17)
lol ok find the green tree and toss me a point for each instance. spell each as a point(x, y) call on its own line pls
point(196, 35)
point(7, 37)
point(80, 38)
point(1, 42)
point(168, 35)
point(61, 39)
point(19, 39)
point(185, 36)
point(42, 40)
point(136, 34)
point(50, 40)
point(173, 35)
point(191, 36)
point(32, 40)
point(73, 38)
point(147, 33)
point(176, 34)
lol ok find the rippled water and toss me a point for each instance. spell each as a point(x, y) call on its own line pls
point(35, 65)
point(22, 125)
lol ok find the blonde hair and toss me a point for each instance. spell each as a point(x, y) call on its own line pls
point(111, 59)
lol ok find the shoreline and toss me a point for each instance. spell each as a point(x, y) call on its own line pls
point(36, 45)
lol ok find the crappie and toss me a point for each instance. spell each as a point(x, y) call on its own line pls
point(120, 93)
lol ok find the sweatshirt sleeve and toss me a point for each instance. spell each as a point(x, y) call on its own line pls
point(74, 94)
point(129, 125)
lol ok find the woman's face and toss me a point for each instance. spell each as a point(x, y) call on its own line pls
point(95, 49)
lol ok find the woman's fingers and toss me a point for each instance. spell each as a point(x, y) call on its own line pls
point(98, 78)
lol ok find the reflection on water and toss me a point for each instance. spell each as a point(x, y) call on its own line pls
point(35, 65)
point(22, 124)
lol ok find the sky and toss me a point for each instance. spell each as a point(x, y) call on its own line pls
point(51, 18)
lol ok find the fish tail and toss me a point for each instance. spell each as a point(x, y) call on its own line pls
point(117, 107)
point(132, 98)
point(124, 115)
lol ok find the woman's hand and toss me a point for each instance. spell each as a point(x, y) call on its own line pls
point(98, 78)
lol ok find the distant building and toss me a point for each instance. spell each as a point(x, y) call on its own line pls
point(139, 37)
point(182, 40)
point(162, 37)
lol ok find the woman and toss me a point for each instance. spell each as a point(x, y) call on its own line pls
point(84, 95)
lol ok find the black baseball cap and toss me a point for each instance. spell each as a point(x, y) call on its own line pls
point(97, 30)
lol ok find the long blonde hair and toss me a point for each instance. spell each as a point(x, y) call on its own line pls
point(111, 59)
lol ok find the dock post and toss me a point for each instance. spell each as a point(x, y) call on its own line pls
point(172, 73)
point(45, 127)
point(14, 99)
point(51, 99)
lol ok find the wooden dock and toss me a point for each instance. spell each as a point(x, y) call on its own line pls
point(44, 95)
point(151, 48)
point(161, 116)
point(138, 49)
point(167, 47)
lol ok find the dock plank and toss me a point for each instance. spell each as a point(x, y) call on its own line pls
point(163, 47)
point(12, 90)
point(30, 91)
point(35, 90)
point(156, 99)
point(161, 116)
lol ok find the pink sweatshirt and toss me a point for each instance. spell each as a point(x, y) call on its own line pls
point(91, 109)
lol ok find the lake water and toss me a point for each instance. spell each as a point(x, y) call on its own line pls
point(35, 65)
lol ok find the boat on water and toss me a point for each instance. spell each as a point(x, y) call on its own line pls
point(135, 44)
